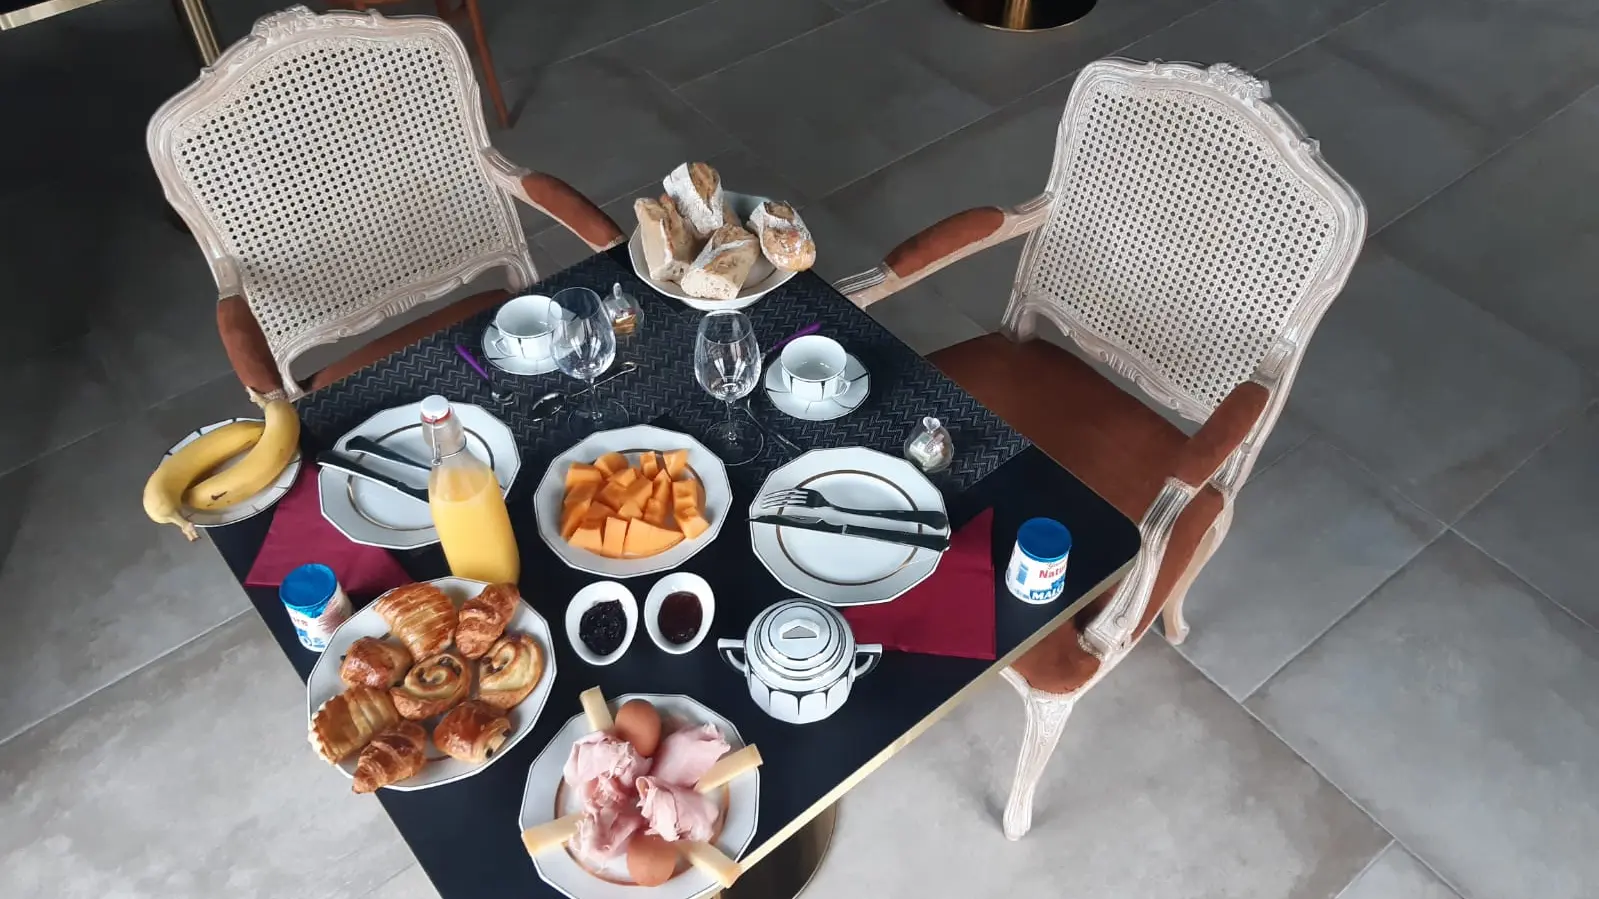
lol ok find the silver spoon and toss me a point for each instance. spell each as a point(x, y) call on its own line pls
point(552, 402)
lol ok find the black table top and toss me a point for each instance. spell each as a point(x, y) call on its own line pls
point(465, 835)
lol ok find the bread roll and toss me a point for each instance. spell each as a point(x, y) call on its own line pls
point(785, 240)
point(720, 270)
point(668, 247)
point(697, 190)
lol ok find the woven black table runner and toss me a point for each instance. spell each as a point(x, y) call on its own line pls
point(905, 387)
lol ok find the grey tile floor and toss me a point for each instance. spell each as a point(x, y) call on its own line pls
point(1390, 688)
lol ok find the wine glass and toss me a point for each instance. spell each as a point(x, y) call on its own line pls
point(585, 346)
point(727, 363)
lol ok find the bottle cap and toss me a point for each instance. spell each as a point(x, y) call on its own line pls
point(308, 588)
point(435, 408)
point(1045, 539)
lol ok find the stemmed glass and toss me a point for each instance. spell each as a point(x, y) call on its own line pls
point(585, 346)
point(727, 363)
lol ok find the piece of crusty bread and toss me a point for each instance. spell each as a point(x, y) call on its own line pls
point(668, 248)
point(697, 190)
point(720, 270)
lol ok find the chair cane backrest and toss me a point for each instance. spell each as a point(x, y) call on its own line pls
point(330, 166)
point(1195, 237)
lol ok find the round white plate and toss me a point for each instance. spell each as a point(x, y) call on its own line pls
point(513, 364)
point(324, 684)
point(838, 570)
point(377, 516)
point(860, 385)
point(764, 277)
point(629, 442)
point(255, 505)
point(557, 867)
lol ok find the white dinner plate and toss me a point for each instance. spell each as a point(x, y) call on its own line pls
point(763, 279)
point(324, 684)
point(630, 441)
point(377, 516)
point(860, 385)
point(838, 570)
point(254, 505)
point(512, 363)
point(544, 800)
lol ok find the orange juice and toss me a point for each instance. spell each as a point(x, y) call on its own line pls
point(467, 505)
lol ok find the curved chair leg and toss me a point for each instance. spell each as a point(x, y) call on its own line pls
point(486, 60)
point(1046, 718)
point(1172, 613)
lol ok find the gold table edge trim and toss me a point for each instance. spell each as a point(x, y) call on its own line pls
point(853, 780)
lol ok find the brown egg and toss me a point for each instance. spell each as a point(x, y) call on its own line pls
point(651, 861)
point(638, 723)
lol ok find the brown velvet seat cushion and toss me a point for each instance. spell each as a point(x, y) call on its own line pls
point(398, 340)
point(1103, 435)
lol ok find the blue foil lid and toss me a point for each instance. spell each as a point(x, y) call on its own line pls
point(308, 588)
point(1045, 539)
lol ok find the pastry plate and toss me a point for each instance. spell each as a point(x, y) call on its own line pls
point(739, 800)
point(630, 441)
point(324, 684)
point(513, 364)
point(250, 507)
point(377, 516)
point(838, 570)
point(860, 385)
point(764, 277)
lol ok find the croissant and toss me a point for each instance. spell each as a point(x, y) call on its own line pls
point(510, 670)
point(432, 686)
point(391, 757)
point(421, 616)
point(372, 662)
point(350, 720)
point(483, 619)
point(472, 732)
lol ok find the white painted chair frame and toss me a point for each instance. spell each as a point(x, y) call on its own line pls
point(392, 126)
point(1231, 93)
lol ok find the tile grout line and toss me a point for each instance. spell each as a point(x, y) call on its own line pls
point(1536, 590)
point(126, 674)
point(1370, 863)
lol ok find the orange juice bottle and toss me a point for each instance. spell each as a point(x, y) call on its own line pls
point(468, 507)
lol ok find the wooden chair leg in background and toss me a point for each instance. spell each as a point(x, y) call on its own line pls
point(486, 59)
point(1171, 615)
point(1046, 719)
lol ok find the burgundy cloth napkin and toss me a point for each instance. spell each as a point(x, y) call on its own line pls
point(950, 613)
point(299, 535)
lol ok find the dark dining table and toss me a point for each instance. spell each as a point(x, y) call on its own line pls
point(465, 834)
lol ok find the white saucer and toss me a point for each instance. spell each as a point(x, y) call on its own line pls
point(514, 365)
point(860, 384)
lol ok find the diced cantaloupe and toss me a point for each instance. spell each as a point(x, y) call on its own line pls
point(676, 461)
point(615, 538)
point(582, 493)
point(645, 539)
point(686, 494)
point(640, 492)
point(629, 511)
point(613, 494)
point(626, 477)
point(649, 464)
point(595, 517)
point(588, 538)
point(663, 488)
point(691, 525)
point(611, 463)
point(581, 473)
point(655, 513)
point(572, 517)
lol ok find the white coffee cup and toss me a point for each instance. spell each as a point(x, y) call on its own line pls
point(527, 327)
point(813, 368)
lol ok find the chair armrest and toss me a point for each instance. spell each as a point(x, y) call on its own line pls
point(1222, 434)
point(556, 199)
point(242, 337)
point(940, 245)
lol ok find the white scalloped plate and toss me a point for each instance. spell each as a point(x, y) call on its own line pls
point(324, 684)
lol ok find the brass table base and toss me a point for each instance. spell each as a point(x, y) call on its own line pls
point(1023, 15)
point(788, 870)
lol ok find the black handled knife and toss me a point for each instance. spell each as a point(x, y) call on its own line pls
point(935, 542)
point(353, 467)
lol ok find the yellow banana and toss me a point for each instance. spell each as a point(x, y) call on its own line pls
point(265, 461)
point(163, 491)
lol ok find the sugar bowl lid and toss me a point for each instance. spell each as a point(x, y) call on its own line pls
point(800, 645)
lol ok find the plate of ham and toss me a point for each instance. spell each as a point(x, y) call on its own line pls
point(636, 790)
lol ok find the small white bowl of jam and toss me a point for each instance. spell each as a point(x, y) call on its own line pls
point(678, 612)
point(600, 621)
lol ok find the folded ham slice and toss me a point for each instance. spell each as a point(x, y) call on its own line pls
point(600, 767)
point(674, 812)
point(603, 833)
point(685, 755)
